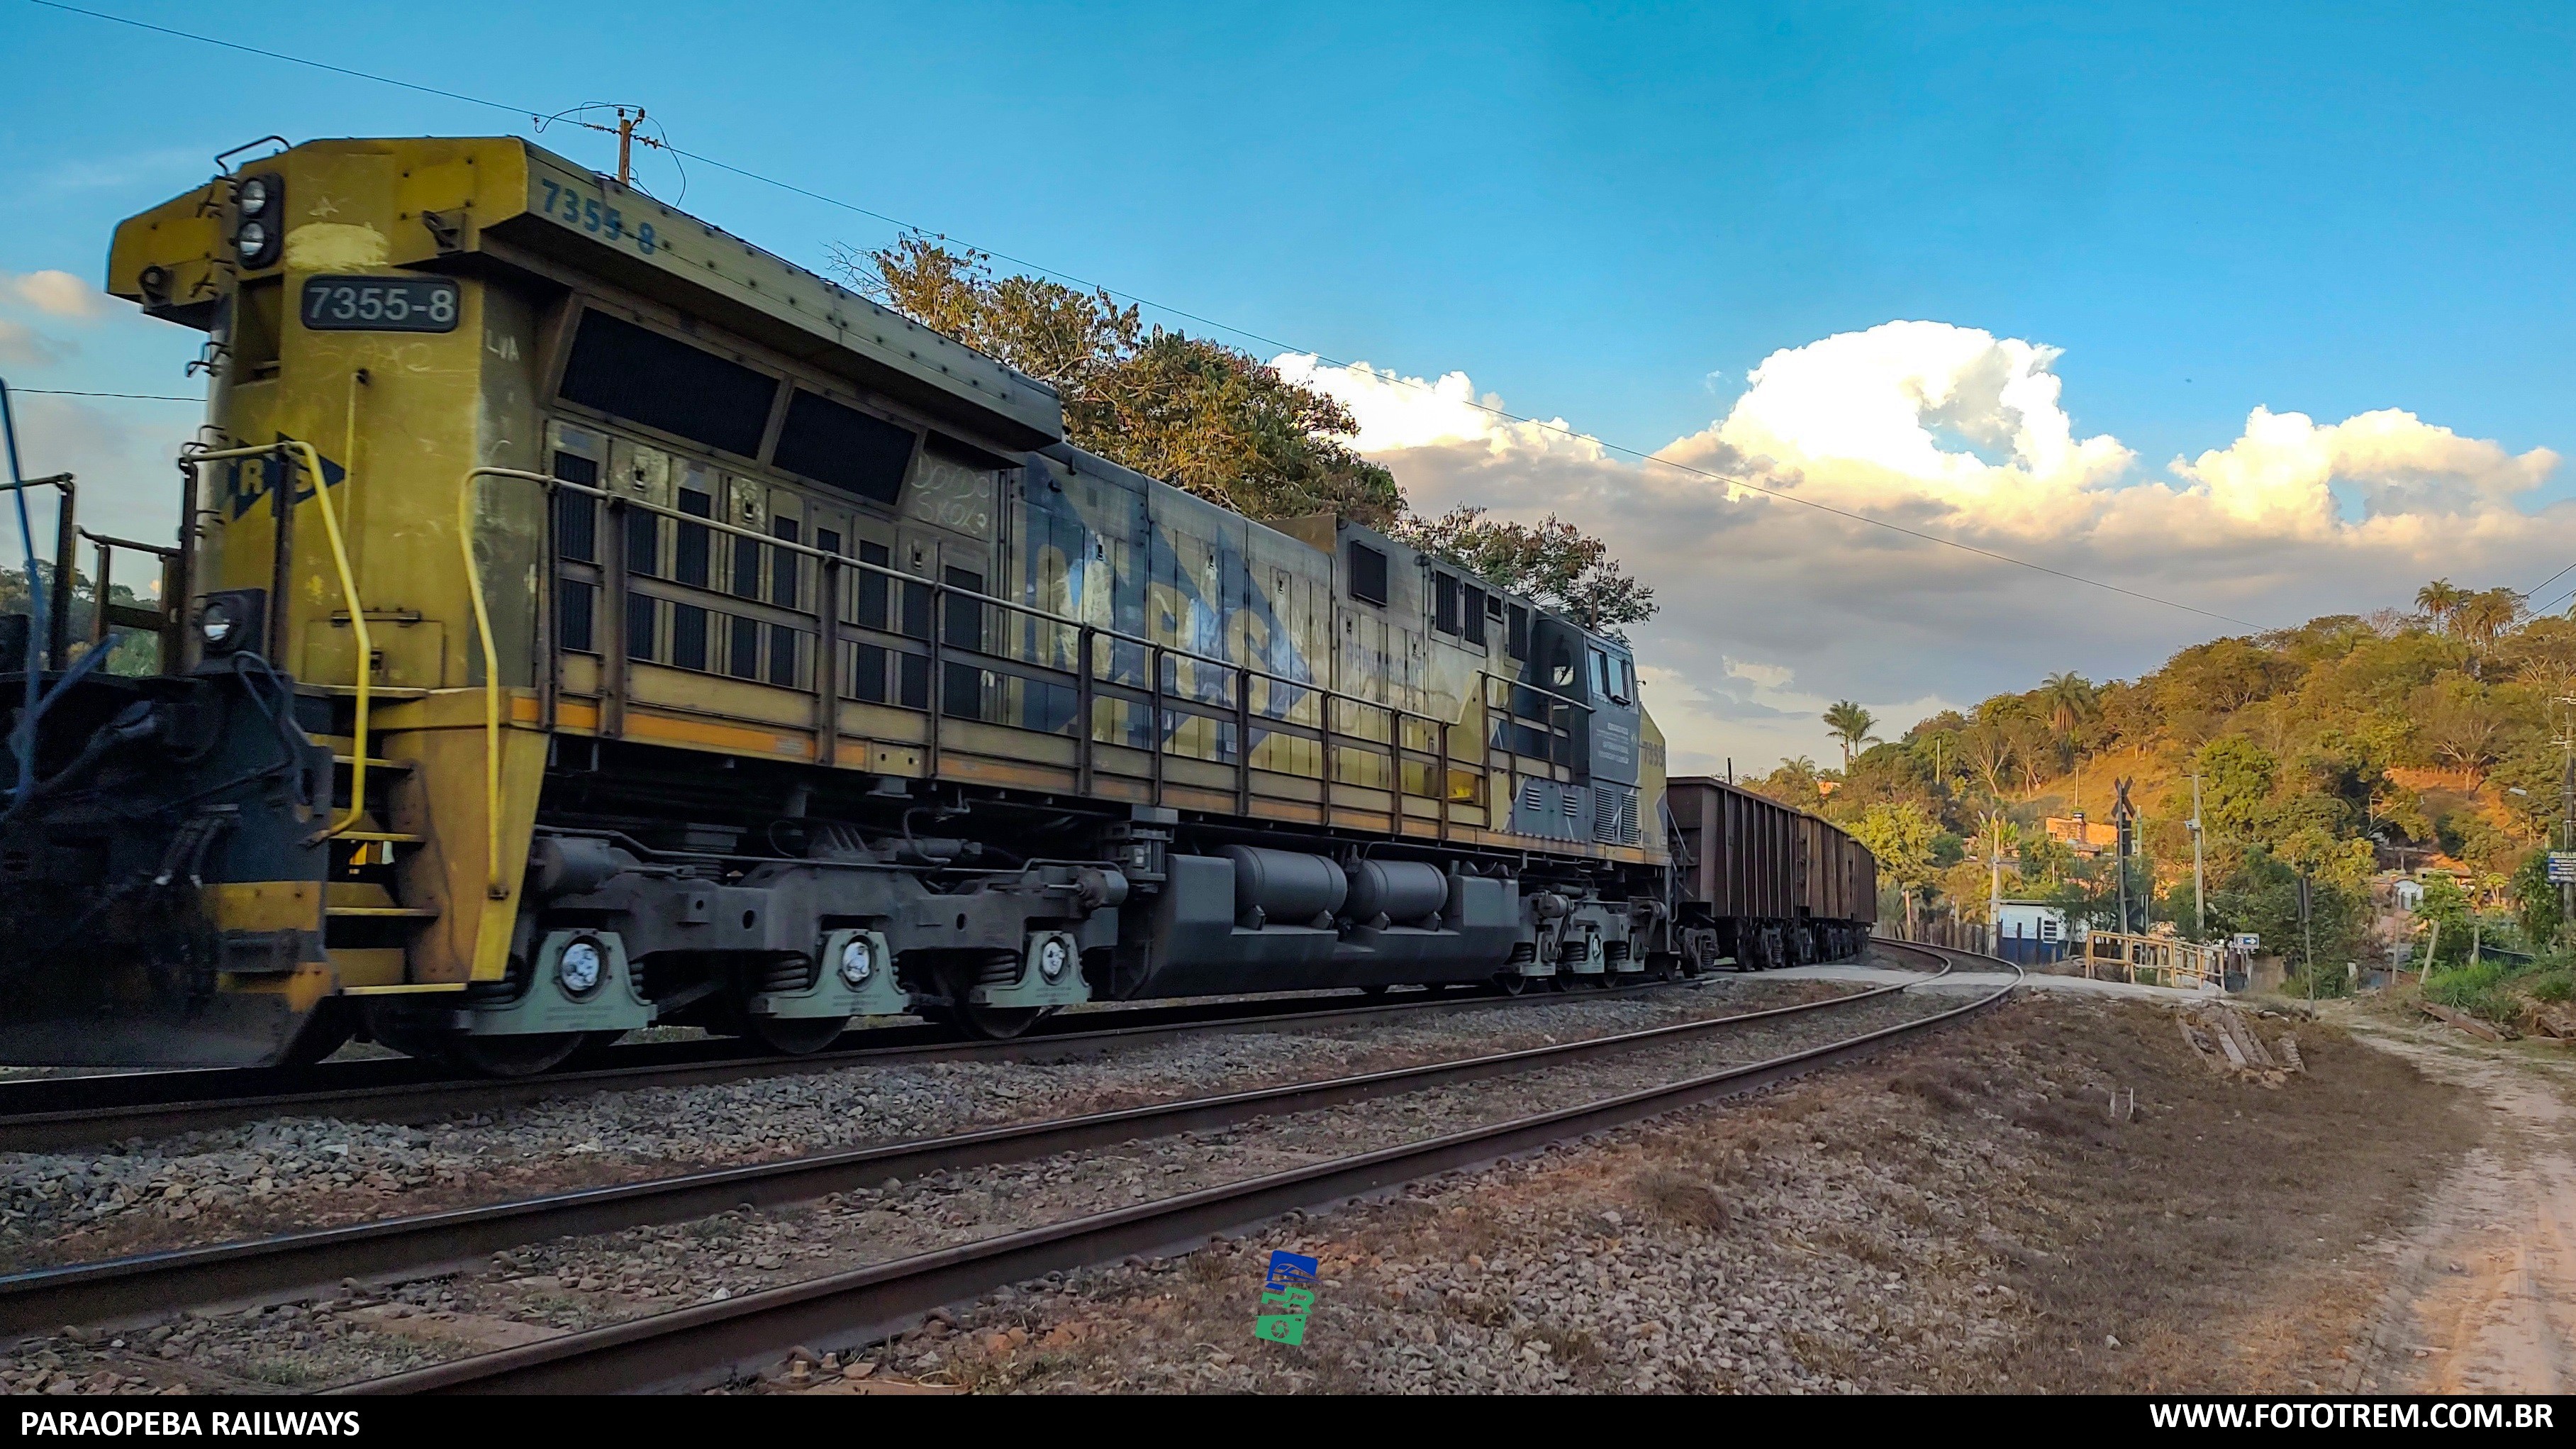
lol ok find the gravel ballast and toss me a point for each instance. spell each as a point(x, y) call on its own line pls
point(581, 1283)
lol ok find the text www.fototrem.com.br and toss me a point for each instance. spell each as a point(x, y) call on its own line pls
point(2352, 1414)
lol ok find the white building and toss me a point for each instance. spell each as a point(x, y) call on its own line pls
point(2410, 895)
point(2031, 921)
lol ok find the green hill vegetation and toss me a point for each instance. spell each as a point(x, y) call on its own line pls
point(2344, 750)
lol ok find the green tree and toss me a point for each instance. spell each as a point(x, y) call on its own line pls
point(1901, 837)
point(2437, 599)
point(2070, 700)
point(2459, 724)
point(2485, 615)
point(1554, 563)
point(1196, 414)
point(1847, 722)
point(2446, 907)
point(2236, 789)
point(2535, 901)
point(2262, 896)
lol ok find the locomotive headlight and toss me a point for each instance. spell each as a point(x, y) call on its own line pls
point(1053, 959)
point(254, 196)
point(230, 622)
point(254, 238)
point(858, 961)
point(579, 967)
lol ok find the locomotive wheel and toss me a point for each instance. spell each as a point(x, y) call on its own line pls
point(514, 1056)
point(797, 1036)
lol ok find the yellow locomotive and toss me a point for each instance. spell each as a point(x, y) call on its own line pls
point(582, 618)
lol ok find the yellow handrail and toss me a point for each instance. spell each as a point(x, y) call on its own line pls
point(494, 884)
point(348, 593)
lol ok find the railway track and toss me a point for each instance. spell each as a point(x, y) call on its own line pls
point(49, 1113)
point(289, 1264)
point(714, 1342)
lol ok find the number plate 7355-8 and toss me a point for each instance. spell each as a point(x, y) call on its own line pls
point(379, 304)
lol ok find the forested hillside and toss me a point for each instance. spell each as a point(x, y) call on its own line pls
point(2340, 749)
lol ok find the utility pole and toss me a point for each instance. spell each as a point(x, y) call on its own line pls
point(2308, 941)
point(2121, 843)
point(2199, 882)
point(626, 144)
point(1995, 874)
point(2567, 810)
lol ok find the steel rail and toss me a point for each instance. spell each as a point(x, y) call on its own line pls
point(83, 1111)
point(116, 1289)
point(713, 1342)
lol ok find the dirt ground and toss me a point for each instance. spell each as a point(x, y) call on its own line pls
point(1967, 1213)
point(2481, 1295)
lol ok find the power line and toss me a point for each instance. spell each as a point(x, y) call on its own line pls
point(137, 396)
point(536, 115)
point(2545, 583)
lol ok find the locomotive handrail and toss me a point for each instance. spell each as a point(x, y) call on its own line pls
point(828, 670)
point(348, 593)
point(495, 885)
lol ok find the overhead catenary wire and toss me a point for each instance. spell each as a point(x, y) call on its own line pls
point(537, 115)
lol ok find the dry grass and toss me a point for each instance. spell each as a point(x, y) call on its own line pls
point(1679, 1198)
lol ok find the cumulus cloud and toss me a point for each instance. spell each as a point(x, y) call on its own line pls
point(24, 346)
point(1773, 610)
point(60, 294)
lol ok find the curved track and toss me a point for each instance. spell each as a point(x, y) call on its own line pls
point(713, 1342)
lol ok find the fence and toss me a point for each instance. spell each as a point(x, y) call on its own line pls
point(2157, 961)
point(2099, 956)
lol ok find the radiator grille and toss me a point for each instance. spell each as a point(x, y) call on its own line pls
point(1614, 815)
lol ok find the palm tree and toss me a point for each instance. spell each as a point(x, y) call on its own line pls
point(1850, 723)
point(2437, 599)
point(2069, 699)
point(2486, 614)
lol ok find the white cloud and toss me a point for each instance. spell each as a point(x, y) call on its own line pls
point(1772, 611)
point(60, 294)
point(23, 346)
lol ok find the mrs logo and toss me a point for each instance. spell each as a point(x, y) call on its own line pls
point(243, 482)
point(1285, 1299)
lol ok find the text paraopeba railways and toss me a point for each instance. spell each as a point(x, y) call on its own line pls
point(174, 1423)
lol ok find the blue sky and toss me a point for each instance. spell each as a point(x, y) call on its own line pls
point(1608, 214)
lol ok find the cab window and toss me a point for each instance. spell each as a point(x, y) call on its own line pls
point(1600, 675)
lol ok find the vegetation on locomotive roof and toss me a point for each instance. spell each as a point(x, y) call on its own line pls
point(1223, 424)
point(2345, 749)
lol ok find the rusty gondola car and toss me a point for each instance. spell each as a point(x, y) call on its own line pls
point(582, 618)
point(1760, 884)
